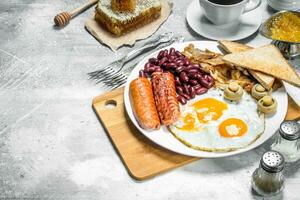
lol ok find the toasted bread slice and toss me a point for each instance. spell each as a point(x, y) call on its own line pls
point(266, 59)
point(233, 47)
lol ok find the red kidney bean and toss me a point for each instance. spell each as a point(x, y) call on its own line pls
point(178, 54)
point(209, 78)
point(187, 97)
point(162, 60)
point(192, 92)
point(151, 69)
point(158, 69)
point(193, 71)
point(160, 55)
point(181, 99)
point(142, 73)
point(172, 51)
point(193, 81)
point(171, 58)
point(194, 75)
point(153, 61)
point(205, 83)
point(186, 62)
point(179, 89)
point(196, 87)
point(179, 69)
point(195, 65)
point(147, 65)
point(165, 54)
point(177, 81)
point(172, 66)
point(178, 62)
point(186, 89)
point(183, 77)
point(201, 90)
point(191, 67)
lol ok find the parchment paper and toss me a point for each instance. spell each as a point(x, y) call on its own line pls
point(143, 32)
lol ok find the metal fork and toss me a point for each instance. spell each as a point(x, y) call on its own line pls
point(121, 77)
point(118, 65)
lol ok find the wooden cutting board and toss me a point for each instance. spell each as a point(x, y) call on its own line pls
point(142, 158)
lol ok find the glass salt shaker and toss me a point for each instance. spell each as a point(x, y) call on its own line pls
point(287, 141)
point(268, 179)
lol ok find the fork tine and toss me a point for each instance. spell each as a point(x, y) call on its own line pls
point(111, 82)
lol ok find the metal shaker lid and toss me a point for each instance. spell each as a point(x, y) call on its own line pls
point(290, 130)
point(272, 161)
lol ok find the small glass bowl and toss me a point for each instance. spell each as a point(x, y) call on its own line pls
point(290, 50)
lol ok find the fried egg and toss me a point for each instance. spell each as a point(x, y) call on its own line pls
point(211, 123)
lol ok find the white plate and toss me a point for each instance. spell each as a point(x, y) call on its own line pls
point(165, 139)
point(247, 25)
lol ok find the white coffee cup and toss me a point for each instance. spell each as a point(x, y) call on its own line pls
point(221, 14)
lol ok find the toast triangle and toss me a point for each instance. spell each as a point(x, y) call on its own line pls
point(266, 59)
point(234, 47)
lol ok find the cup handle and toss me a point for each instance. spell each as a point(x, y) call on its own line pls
point(249, 8)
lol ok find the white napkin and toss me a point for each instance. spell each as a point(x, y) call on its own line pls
point(294, 91)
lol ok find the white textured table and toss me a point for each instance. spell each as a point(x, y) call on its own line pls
point(52, 145)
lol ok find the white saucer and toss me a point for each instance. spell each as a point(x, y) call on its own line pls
point(284, 5)
point(246, 26)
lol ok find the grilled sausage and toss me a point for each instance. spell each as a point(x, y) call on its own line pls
point(165, 97)
point(143, 103)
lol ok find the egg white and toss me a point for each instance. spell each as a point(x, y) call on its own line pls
point(207, 137)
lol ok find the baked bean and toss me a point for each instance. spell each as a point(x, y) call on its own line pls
point(194, 75)
point(178, 62)
point(177, 81)
point(179, 69)
point(201, 90)
point(172, 51)
point(158, 69)
point(147, 65)
point(162, 60)
point(186, 62)
point(187, 97)
point(178, 54)
point(193, 71)
point(160, 55)
point(186, 89)
point(165, 54)
point(205, 83)
point(151, 69)
point(192, 92)
point(142, 73)
point(179, 89)
point(171, 58)
point(172, 65)
point(181, 99)
point(195, 65)
point(183, 77)
point(196, 87)
point(193, 81)
point(153, 61)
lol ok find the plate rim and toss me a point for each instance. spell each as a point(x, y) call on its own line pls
point(207, 154)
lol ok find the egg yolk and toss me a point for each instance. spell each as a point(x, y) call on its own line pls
point(189, 123)
point(232, 127)
point(209, 109)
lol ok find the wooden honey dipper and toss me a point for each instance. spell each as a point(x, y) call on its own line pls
point(63, 18)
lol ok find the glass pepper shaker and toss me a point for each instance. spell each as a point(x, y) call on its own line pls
point(268, 179)
point(287, 141)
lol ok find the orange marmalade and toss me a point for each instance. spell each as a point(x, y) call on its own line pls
point(286, 27)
